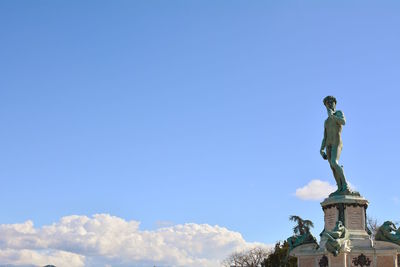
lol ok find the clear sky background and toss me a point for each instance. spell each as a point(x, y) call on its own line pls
point(205, 112)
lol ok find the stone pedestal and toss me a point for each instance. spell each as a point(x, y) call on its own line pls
point(331, 216)
point(350, 210)
point(358, 250)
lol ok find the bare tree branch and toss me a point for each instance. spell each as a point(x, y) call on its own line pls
point(373, 225)
point(250, 258)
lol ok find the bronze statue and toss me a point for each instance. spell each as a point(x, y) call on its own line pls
point(331, 146)
point(336, 238)
point(388, 232)
point(301, 233)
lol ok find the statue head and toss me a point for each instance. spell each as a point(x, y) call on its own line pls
point(389, 226)
point(330, 102)
point(339, 226)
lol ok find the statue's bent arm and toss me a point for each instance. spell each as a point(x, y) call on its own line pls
point(338, 116)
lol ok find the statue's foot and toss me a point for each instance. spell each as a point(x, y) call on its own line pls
point(344, 191)
point(347, 191)
point(337, 192)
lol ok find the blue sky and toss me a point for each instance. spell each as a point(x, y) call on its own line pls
point(205, 112)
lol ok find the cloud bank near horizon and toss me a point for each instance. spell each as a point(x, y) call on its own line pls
point(105, 240)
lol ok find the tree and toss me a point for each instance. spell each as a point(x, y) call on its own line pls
point(302, 227)
point(373, 225)
point(250, 258)
point(280, 257)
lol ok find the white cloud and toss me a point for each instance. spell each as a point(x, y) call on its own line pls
point(29, 257)
point(161, 224)
point(315, 190)
point(105, 240)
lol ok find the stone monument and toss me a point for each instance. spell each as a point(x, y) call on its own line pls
point(345, 240)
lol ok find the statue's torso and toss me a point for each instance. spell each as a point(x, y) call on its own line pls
point(333, 132)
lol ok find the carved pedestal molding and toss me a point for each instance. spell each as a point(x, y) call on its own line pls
point(361, 261)
point(323, 262)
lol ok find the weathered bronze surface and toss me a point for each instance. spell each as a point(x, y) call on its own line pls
point(301, 233)
point(332, 145)
point(336, 238)
point(388, 232)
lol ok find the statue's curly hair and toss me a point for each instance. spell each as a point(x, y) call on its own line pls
point(329, 97)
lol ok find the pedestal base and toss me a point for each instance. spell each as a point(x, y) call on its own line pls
point(372, 254)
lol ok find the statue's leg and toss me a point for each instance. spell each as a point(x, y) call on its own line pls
point(329, 154)
point(338, 173)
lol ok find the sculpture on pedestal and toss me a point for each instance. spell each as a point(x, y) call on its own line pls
point(302, 234)
point(346, 235)
point(336, 238)
point(332, 145)
point(388, 232)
